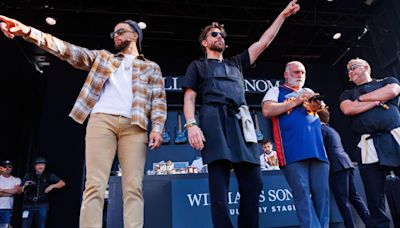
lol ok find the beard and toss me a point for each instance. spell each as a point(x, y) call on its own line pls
point(123, 45)
point(293, 82)
point(218, 47)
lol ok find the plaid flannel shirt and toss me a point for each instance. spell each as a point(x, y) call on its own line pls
point(149, 99)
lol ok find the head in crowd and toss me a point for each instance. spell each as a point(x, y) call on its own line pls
point(212, 37)
point(359, 71)
point(324, 115)
point(295, 75)
point(125, 33)
point(8, 166)
point(266, 145)
point(40, 165)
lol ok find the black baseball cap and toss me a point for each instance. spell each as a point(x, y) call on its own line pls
point(7, 163)
point(39, 160)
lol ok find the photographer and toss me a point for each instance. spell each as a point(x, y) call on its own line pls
point(36, 186)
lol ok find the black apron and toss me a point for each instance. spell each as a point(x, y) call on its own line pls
point(222, 93)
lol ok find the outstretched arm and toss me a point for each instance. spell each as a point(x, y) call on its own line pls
point(79, 57)
point(12, 28)
point(258, 47)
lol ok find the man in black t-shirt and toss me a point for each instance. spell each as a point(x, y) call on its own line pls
point(36, 186)
point(373, 108)
point(219, 83)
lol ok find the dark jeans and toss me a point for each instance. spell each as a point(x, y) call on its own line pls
point(5, 216)
point(249, 183)
point(37, 215)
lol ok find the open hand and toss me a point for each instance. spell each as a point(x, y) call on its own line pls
point(12, 28)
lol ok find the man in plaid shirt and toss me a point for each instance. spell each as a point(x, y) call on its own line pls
point(122, 93)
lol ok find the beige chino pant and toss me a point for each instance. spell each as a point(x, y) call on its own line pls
point(107, 135)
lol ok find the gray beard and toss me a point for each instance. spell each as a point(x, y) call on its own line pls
point(123, 45)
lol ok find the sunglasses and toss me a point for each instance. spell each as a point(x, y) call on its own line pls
point(215, 34)
point(353, 67)
point(119, 32)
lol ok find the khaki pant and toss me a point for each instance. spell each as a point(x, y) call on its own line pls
point(106, 135)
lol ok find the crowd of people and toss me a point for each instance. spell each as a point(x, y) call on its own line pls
point(35, 187)
point(124, 93)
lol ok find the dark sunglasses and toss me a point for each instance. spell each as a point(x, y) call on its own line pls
point(215, 34)
point(353, 67)
point(119, 32)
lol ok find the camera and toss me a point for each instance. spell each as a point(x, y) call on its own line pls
point(30, 183)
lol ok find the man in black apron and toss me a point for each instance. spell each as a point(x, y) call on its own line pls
point(220, 136)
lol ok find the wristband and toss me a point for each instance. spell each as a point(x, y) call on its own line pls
point(190, 123)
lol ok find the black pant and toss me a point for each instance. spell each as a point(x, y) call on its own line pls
point(374, 179)
point(393, 198)
point(250, 185)
point(344, 190)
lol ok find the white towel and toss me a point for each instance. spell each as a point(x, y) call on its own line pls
point(396, 134)
point(249, 131)
point(368, 151)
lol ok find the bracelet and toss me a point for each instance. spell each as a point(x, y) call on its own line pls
point(190, 123)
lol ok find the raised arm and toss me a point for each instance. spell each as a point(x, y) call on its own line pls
point(258, 47)
point(12, 28)
point(79, 57)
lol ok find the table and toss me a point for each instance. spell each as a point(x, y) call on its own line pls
point(181, 201)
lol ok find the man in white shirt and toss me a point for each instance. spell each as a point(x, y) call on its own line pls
point(268, 159)
point(9, 186)
point(122, 95)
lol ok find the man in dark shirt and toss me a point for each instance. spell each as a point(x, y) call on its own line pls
point(373, 108)
point(219, 82)
point(36, 186)
point(341, 174)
